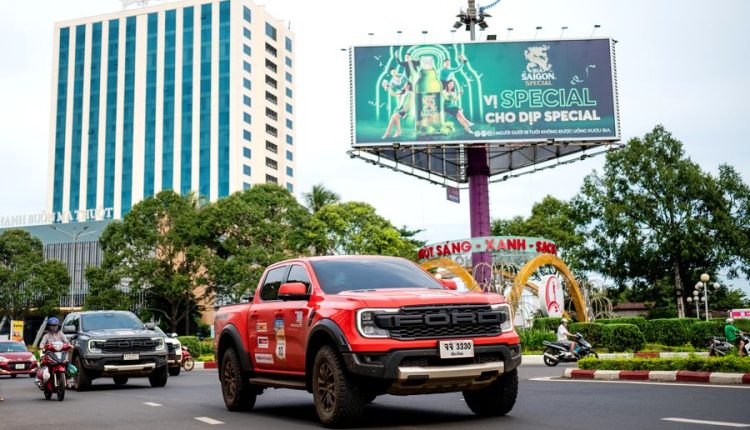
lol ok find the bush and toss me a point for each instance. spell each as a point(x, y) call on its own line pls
point(546, 324)
point(641, 322)
point(694, 363)
point(192, 343)
point(743, 325)
point(531, 340)
point(207, 346)
point(669, 331)
point(657, 347)
point(701, 330)
point(592, 332)
point(622, 337)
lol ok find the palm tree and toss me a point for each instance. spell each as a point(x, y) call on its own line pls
point(318, 197)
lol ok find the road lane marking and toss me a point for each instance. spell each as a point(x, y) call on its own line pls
point(208, 420)
point(671, 384)
point(151, 404)
point(710, 423)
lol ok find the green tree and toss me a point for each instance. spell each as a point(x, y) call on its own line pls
point(355, 228)
point(248, 231)
point(318, 197)
point(551, 219)
point(653, 215)
point(27, 281)
point(154, 251)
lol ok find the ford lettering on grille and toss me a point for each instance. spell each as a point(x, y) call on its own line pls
point(441, 321)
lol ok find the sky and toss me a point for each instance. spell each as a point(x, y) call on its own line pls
point(680, 63)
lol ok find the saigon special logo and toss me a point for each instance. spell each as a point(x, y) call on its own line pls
point(538, 69)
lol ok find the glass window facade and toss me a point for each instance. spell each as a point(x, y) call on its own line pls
point(247, 15)
point(248, 34)
point(149, 165)
point(288, 44)
point(93, 131)
point(129, 113)
point(224, 122)
point(247, 135)
point(247, 153)
point(60, 119)
point(246, 49)
point(289, 139)
point(186, 150)
point(288, 77)
point(288, 61)
point(289, 156)
point(77, 130)
point(204, 142)
point(271, 31)
point(247, 101)
point(289, 124)
point(290, 188)
point(247, 84)
point(289, 92)
point(289, 108)
point(289, 171)
point(246, 170)
point(247, 118)
point(167, 166)
point(247, 67)
point(110, 131)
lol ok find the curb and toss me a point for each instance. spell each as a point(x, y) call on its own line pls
point(537, 359)
point(205, 365)
point(661, 376)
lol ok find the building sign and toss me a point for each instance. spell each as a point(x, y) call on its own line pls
point(740, 313)
point(484, 92)
point(452, 194)
point(16, 331)
point(502, 246)
point(551, 299)
point(56, 217)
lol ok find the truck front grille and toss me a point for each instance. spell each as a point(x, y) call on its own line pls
point(442, 321)
point(129, 345)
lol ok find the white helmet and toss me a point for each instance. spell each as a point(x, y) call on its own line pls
point(563, 321)
point(730, 320)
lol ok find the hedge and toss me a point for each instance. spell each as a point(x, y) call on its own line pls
point(531, 340)
point(592, 332)
point(669, 331)
point(207, 346)
point(546, 323)
point(622, 337)
point(701, 330)
point(192, 343)
point(694, 363)
point(641, 322)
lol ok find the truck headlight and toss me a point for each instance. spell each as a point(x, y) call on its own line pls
point(504, 309)
point(159, 342)
point(95, 345)
point(366, 322)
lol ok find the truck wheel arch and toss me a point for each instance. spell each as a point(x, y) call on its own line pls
point(230, 337)
point(325, 332)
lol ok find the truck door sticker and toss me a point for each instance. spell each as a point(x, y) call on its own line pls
point(264, 358)
point(278, 329)
point(261, 327)
point(263, 342)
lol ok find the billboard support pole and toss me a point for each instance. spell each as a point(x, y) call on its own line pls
point(478, 172)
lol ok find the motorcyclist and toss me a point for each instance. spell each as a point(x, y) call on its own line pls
point(53, 334)
point(563, 334)
point(732, 334)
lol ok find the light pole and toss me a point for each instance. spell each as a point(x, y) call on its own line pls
point(697, 301)
point(75, 235)
point(702, 288)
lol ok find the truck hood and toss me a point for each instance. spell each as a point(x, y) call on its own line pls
point(106, 334)
point(397, 297)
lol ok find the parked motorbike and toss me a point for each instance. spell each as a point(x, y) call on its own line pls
point(558, 353)
point(718, 346)
point(52, 375)
point(187, 360)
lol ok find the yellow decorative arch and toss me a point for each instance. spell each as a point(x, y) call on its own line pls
point(455, 268)
point(549, 260)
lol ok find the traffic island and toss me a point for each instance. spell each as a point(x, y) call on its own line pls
point(659, 376)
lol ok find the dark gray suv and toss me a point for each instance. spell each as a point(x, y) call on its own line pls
point(117, 345)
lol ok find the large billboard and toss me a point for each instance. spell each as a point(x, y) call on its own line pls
point(484, 92)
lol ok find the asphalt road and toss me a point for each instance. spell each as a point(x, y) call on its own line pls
point(542, 403)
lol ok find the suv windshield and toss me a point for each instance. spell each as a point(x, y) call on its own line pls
point(336, 276)
point(12, 347)
point(108, 321)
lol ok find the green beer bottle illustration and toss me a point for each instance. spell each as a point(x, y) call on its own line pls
point(429, 106)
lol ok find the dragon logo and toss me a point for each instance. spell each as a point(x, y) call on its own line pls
point(537, 58)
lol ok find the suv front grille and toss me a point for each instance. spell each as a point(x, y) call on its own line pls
point(129, 345)
point(442, 321)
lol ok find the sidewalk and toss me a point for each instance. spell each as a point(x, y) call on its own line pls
point(660, 376)
point(537, 359)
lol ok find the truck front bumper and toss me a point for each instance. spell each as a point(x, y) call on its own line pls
point(106, 365)
point(417, 371)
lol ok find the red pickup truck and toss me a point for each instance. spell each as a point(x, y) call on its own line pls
point(350, 328)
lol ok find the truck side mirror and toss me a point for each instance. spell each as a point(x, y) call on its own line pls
point(150, 326)
point(173, 335)
point(69, 329)
point(293, 291)
point(448, 283)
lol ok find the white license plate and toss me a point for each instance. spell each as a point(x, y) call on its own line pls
point(20, 366)
point(456, 348)
point(131, 356)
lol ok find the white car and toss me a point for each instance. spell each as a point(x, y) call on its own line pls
point(174, 351)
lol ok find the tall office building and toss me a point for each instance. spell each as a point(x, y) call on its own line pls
point(193, 95)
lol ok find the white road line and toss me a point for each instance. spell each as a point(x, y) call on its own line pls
point(151, 404)
point(671, 384)
point(710, 423)
point(208, 420)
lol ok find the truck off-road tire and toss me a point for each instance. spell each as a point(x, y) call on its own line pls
point(495, 400)
point(158, 378)
point(236, 390)
point(82, 379)
point(174, 371)
point(120, 380)
point(338, 401)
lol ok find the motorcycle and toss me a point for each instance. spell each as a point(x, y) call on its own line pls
point(718, 346)
point(187, 360)
point(557, 353)
point(53, 368)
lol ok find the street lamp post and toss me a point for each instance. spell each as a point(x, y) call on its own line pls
point(702, 288)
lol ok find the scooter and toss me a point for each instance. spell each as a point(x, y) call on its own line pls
point(557, 353)
point(187, 360)
point(718, 346)
point(52, 375)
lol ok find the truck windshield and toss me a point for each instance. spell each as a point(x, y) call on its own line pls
point(336, 276)
point(108, 321)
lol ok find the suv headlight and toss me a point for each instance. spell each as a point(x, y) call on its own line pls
point(504, 309)
point(95, 345)
point(366, 322)
point(159, 341)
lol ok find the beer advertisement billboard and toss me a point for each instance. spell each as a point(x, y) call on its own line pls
point(484, 92)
